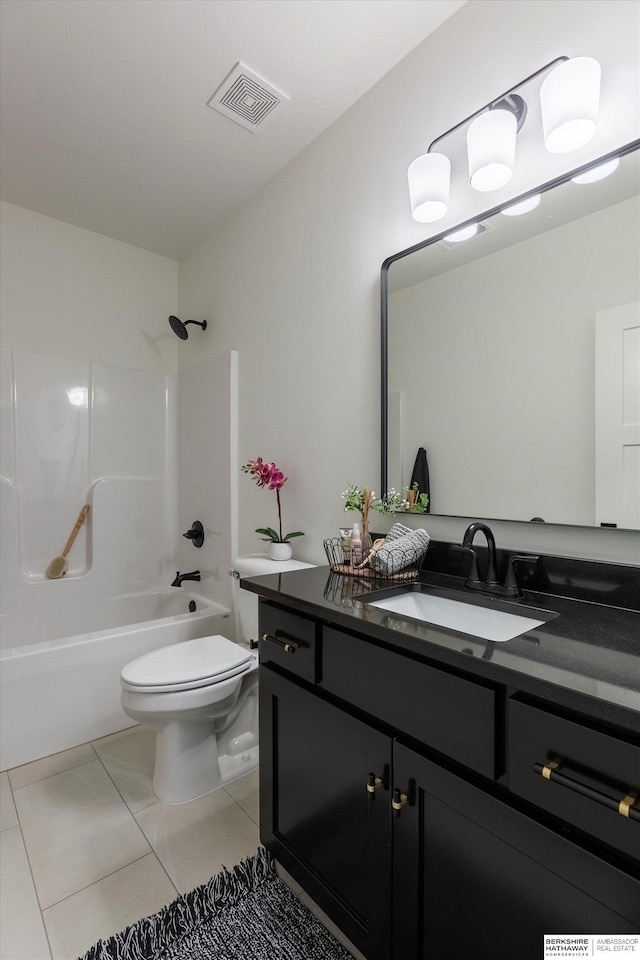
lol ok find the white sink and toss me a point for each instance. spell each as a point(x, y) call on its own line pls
point(488, 623)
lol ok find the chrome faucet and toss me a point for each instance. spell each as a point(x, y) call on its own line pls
point(490, 584)
point(180, 577)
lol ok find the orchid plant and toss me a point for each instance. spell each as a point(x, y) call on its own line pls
point(268, 475)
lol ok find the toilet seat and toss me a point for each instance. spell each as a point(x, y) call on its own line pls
point(201, 662)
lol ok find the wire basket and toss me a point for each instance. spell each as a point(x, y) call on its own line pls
point(342, 562)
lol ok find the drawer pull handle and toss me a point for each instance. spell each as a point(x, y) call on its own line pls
point(289, 646)
point(398, 801)
point(548, 769)
point(373, 783)
point(626, 807)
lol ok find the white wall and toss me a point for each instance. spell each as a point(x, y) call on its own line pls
point(68, 292)
point(292, 280)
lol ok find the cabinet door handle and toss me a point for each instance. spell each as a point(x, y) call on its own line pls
point(398, 801)
point(289, 646)
point(625, 806)
point(373, 783)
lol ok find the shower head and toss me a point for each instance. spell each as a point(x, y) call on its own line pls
point(180, 328)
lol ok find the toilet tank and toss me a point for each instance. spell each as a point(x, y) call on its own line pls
point(246, 604)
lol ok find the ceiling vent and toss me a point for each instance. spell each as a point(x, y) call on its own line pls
point(246, 98)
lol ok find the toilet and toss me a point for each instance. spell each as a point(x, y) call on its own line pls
point(201, 698)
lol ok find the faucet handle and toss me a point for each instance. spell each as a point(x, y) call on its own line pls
point(474, 572)
point(510, 583)
point(195, 534)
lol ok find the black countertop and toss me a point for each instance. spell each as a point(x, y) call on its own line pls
point(587, 658)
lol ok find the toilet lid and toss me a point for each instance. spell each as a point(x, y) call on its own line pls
point(192, 662)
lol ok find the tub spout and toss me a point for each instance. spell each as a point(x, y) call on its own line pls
point(180, 577)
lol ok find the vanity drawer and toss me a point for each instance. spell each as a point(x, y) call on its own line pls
point(454, 716)
point(288, 640)
point(576, 773)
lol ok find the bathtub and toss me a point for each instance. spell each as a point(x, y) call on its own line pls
point(59, 693)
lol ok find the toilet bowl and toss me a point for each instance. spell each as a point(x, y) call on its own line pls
point(201, 698)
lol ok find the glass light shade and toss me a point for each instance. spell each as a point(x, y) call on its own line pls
point(569, 99)
point(429, 177)
point(465, 233)
point(523, 207)
point(597, 173)
point(491, 147)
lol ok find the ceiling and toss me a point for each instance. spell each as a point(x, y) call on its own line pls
point(105, 122)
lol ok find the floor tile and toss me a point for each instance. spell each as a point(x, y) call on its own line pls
point(50, 766)
point(77, 830)
point(22, 934)
point(245, 791)
point(194, 840)
point(8, 815)
point(108, 906)
point(129, 758)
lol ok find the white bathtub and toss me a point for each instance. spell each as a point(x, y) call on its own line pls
point(63, 692)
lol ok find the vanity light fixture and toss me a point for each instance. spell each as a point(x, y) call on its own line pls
point(569, 101)
point(491, 149)
point(464, 233)
point(597, 173)
point(570, 98)
point(523, 206)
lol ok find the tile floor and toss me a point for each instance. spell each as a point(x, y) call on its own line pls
point(87, 847)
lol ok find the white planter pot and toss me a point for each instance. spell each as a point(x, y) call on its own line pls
point(280, 551)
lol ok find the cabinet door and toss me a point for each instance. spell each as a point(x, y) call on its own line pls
point(475, 877)
point(315, 813)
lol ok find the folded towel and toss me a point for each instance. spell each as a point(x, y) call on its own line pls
point(398, 530)
point(404, 551)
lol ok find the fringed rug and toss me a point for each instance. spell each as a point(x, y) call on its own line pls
point(247, 913)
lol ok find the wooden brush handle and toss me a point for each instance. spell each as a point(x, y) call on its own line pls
point(82, 516)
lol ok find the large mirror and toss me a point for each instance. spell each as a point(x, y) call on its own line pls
point(513, 359)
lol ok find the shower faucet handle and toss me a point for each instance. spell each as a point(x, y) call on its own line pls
point(195, 534)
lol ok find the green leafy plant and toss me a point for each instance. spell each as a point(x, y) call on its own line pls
point(354, 498)
point(392, 502)
point(362, 500)
point(421, 501)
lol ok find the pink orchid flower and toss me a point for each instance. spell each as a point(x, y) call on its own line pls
point(268, 475)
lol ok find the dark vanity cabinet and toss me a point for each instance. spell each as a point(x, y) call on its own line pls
point(316, 815)
point(473, 876)
point(405, 797)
